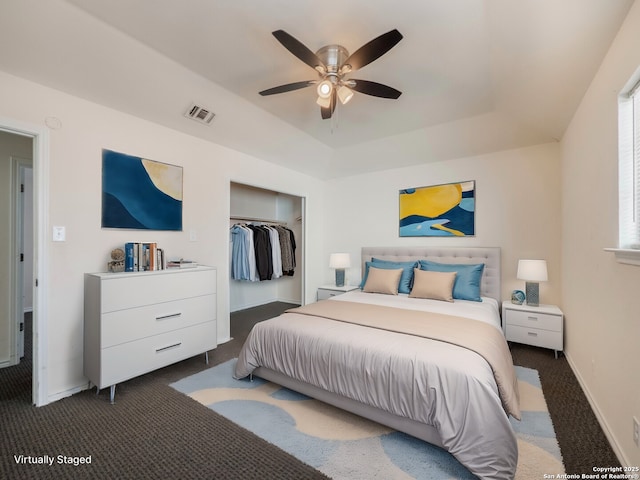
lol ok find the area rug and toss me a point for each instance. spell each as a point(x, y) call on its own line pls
point(345, 446)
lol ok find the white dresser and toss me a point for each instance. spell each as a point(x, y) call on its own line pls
point(136, 322)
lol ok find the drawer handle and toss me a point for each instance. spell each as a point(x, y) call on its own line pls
point(532, 334)
point(171, 315)
point(158, 350)
point(532, 318)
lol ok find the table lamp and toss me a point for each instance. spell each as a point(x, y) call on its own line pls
point(339, 261)
point(532, 272)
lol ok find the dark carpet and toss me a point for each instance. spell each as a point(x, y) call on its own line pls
point(582, 442)
point(154, 432)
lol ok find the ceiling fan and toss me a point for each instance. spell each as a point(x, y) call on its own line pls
point(333, 63)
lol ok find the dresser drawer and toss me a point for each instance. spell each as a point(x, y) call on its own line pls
point(122, 292)
point(535, 320)
point(128, 325)
point(534, 336)
point(131, 359)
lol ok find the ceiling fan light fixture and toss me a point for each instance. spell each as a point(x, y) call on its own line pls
point(324, 89)
point(324, 102)
point(344, 94)
point(344, 69)
point(332, 63)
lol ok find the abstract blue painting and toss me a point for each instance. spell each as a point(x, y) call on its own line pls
point(140, 194)
point(438, 211)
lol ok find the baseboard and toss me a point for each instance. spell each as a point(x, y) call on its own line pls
point(285, 300)
point(7, 363)
point(239, 308)
point(601, 420)
point(67, 393)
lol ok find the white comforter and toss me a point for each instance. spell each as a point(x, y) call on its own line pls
point(436, 383)
point(486, 311)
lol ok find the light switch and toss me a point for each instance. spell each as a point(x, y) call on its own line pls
point(59, 234)
point(193, 235)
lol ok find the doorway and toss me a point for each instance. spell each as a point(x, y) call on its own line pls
point(253, 205)
point(23, 162)
point(16, 152)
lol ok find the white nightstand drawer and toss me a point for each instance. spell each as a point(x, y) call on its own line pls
point(534, 320)
point(329, 291)
point(534, 336)
point(324, 294)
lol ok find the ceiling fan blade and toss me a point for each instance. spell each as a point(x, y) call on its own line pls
point(327, 112)
point(373, 50)
point(374, 89)
point(288, 87)
point(298, 49)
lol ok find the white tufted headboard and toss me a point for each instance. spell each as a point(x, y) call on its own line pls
point(490, 256)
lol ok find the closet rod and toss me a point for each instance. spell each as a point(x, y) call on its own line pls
point(252, 219)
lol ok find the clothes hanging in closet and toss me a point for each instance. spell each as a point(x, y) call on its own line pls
point(287, 250)
point(243, 262)
point(261, 252)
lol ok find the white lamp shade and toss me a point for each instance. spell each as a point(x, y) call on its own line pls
point(532, 270)
point(324, 102)
point(339, 260)
point(344, 94)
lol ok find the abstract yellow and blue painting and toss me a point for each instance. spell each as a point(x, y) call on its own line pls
point(439, 210)
point(140, 194)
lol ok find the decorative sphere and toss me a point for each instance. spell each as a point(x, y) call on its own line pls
point(517, 297)
point(117, 254)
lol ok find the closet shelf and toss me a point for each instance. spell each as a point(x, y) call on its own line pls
point(255, 219)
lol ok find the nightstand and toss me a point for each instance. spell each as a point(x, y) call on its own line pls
point(538, 326)
point(327, 291)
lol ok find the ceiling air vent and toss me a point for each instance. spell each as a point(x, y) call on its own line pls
point(200, 114)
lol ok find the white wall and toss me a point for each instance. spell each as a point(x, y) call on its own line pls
point(10, 146)
point(517, 209)
point(75, 202)
point(601, 297)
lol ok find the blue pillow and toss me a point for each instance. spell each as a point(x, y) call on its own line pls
point(406, 280)
point(468, 278)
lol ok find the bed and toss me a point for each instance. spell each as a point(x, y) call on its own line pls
point(436, 368)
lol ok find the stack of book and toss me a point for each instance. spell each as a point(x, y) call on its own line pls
point(181, 264)
point(143, 256)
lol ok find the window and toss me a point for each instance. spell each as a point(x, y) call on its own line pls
point(628, 250)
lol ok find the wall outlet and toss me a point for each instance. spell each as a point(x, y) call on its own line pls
point(636, 432)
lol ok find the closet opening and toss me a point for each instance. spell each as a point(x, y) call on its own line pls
point(273, 224)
